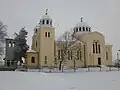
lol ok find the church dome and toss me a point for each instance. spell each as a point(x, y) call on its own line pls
point(81, 28)
point(46, 20)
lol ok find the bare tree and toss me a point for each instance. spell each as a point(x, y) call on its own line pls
point(3, 34)
point(63, 45)
point(77, 51)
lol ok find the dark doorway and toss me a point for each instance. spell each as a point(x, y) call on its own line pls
point(99, 61)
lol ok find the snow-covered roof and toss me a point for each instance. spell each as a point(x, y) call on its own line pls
point(46, 17)
point(31, 50)
point(82, 24)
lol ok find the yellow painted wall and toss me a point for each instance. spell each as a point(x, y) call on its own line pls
point(108, 49)
point(29, 56)
point(45, 46)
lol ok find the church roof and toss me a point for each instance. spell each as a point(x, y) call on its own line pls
point(91, 33)
point(31, 50)
point(46, 17)
point(82, 24)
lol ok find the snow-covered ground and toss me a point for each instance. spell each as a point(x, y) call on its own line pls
point(60, 81)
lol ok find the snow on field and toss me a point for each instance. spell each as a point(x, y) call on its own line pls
point(60, 81)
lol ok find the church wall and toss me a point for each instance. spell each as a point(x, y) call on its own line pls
point(89, 39)
point(108, 54)
point(46, 47)
point(31, 64)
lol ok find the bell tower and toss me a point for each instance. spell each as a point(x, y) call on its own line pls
point(43, 41)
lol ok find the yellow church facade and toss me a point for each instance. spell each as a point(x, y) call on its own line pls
point(45, 51)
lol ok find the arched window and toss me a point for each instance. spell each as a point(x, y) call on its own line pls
point(89, 29)
point(33, 60)
point(76, 29)
point(43, 22)
point(48, 34)
point(83, 28)
point(99, 48)
point(71, 55)
point(106, 55)
point(68, 55)
point(96, 46)
point(59, 54)
point(10, 44)
point(47, 22)
point(45, 60)
point(13, 45)
point(51, 22)
point(93, 47)
point(80, 55)
point(79, 28)
point(36, 43)
point(86, 29)
point(77, 54)
point(36, 30)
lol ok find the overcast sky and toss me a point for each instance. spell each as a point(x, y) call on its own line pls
point(101, 15)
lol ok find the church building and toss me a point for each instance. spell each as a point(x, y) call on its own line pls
point(93, 50)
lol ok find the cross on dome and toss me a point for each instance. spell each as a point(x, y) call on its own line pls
point(81, 19)
point(46, 12)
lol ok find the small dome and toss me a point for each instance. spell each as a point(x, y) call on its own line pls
point(46, 16)
point(46, 20)
point(82, 24)
point(81, 28)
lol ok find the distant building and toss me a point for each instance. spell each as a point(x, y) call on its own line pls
point(9, 53)
point(93, 51)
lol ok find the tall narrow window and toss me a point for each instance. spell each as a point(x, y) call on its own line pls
point(83, 28)
point(62, 54)
point(68, 55)
point(79, 28)
point(43, 22)
point(71, 55)
point(51, 22)
point(80, 55)
point(10, 44)
point(96, 47)
point(45, 60)
point(13, 45)
point(77, 54)
point(89, 29)
point(93, 48)
point(48, 34)
point(35, 30)
point(99, 48)
point(33, 60)
point(36, 43)
point(47, 22)
point(76, 29)
point(58, 54)
point(86, 28)
point(106, 55)
point(45, 34)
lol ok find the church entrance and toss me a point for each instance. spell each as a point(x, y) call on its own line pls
point(99, 61)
